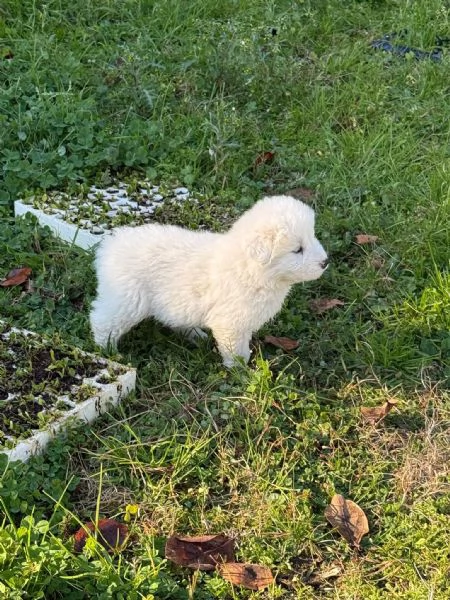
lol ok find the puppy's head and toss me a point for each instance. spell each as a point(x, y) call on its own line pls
point(278, 233)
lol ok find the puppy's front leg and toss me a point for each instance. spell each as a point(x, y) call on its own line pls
point(233, 345)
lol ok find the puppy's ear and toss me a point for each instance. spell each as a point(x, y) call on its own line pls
point(261, 246)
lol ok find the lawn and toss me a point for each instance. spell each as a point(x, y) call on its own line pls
point(198, 94)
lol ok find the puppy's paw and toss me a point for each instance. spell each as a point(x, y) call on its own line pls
point(235, 361)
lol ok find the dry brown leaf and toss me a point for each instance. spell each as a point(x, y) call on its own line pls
point(377, 262)
point(323, 304)
point(348, 518)
point(263, 159)
point(16, 277)
point(111, 534)
point(253, 577)
point(366, 239)
point(374, 414)
point(301, 193)
point(284, 343)
point(202, 552)
point(323, 575)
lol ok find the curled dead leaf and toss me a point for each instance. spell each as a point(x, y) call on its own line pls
point(377, 263)
point(374, 414)
point(284, 343)
point(324, 574)
point(110, 534)
point(348, 518)
point(263, 159)
point(301, 193)
point(253, 577)
point(202, 552)
point(362, 239)
point(16, 277)
point(323, 304)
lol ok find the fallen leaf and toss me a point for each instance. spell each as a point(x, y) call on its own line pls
point(284, 343)
point(331, 572)
point(263, 159)
point(202, 552)
point(253, 577)
point(373, 414)
point(366, 239)
point(301, 193)
point(348, 518)
point(111, 534)
point(16, 277)
point(377, 263)
point(324, 574)
point(323, 304)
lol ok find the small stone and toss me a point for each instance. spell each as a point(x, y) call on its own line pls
point(97, 230)
point(112, 190)
point(181, 190)
point(122, 202)
point(158, 198)
point(155, 189)
point(182, 197)
point(147, 210)
point(111, 214)
point(123, 186)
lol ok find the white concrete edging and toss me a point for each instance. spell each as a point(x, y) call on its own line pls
point(62, 229)
point(108, 395)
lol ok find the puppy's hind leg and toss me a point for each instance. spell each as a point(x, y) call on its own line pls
point(110, 320)
point(233, 345)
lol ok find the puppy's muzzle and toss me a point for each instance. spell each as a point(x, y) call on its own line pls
point(324, 264)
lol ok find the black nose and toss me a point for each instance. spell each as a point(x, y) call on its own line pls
point(324, 264)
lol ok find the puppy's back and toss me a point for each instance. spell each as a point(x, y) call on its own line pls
point(164, 251)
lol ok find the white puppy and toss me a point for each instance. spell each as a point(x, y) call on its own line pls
point(231, 283)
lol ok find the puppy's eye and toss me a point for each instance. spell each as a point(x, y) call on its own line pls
point(299, 251)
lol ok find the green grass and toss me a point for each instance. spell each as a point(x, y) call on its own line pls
point(193, 92)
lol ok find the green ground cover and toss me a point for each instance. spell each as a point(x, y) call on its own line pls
point(191, 93)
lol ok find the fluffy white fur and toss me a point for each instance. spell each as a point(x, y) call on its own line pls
point(231, 283)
